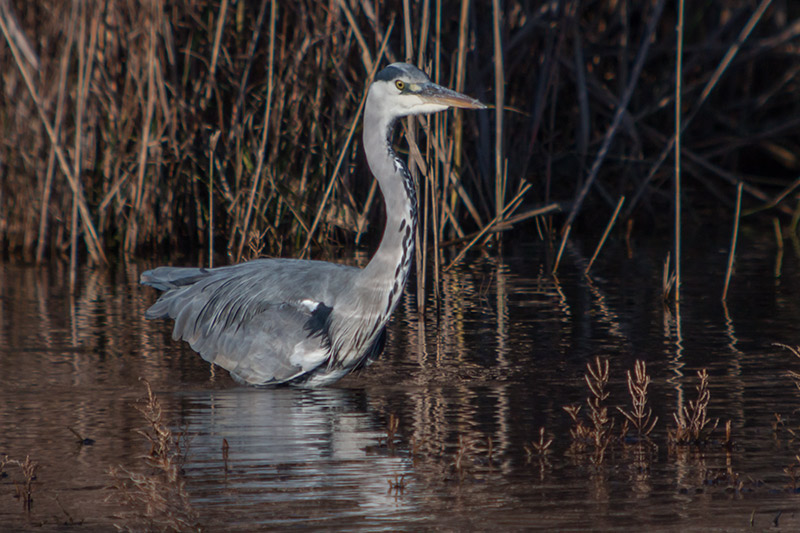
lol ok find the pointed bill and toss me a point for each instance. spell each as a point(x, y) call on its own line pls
point(430, 93)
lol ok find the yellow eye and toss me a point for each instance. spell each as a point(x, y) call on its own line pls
point(400, 85)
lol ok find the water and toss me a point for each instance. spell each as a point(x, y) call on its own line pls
point(467, 394)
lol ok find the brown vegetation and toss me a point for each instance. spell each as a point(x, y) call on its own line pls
point(23, 487)
point(134, 127)
point(156, 499)
point(692, 425)
point(640, 416)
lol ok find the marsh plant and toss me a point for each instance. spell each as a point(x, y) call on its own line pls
point(541, 447)
point(793, 469)
point(598, 432)
point(640, 416)
point(156, 496)
point(24, 486)
point(692, 425)
point(792, 374)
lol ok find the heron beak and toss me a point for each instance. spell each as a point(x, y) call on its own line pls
point(430, 93)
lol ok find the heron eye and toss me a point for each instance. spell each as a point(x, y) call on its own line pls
point(400, 85)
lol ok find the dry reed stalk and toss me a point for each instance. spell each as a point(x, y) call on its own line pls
point(361, 223)
point(605, 235)
point(565, 231)
point(704, 163)
point(59, 117)
point(158, 500)
point(223, 11)
point(531, 213)
point(619, 113)
point(366, 59)
point(132, 234)
point(343, 151)
point(203, 73)
point(24, 490)
point(707, 89)
point(507, 210)
point(235, 126)
point(460, 79)
point(264, 133)
point(86, 58)
point(440, 123)
point(18, 35)
point(667, 278)
point(776, 225)
point(408, 37)
point(211, 154)
point(446, 159)
point(677, 182)
point(424, 27)
point(776, 200)
point(499, 88)
point(732, 253)
point(410, 135)
point(583, 100)
point(92, 241)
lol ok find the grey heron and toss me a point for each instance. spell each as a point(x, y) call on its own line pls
point(303, 322)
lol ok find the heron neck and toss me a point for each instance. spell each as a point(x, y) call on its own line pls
point(388, 268)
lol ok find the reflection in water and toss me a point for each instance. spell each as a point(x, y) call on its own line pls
point(288, 450)
point(469, 387)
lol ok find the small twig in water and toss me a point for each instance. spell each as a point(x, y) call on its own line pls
point(540, 447)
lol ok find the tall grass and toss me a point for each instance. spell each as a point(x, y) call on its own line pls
point(138, 127)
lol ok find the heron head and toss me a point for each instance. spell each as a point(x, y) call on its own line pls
point(402, 89)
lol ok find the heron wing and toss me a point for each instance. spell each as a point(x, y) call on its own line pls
point(251, 319)
point(277, 343)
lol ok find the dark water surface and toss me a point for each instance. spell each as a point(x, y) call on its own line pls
point(467, 394)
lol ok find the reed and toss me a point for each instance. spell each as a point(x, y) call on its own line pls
point(157, 497)
point(24, 487)
point(734, 239)
point(677, 203)
point(602, 424)
point(113, 108)
point(605, 235)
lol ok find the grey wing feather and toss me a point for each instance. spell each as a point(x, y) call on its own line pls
point(166, 278)
point(252, 319)
point(275, 345)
